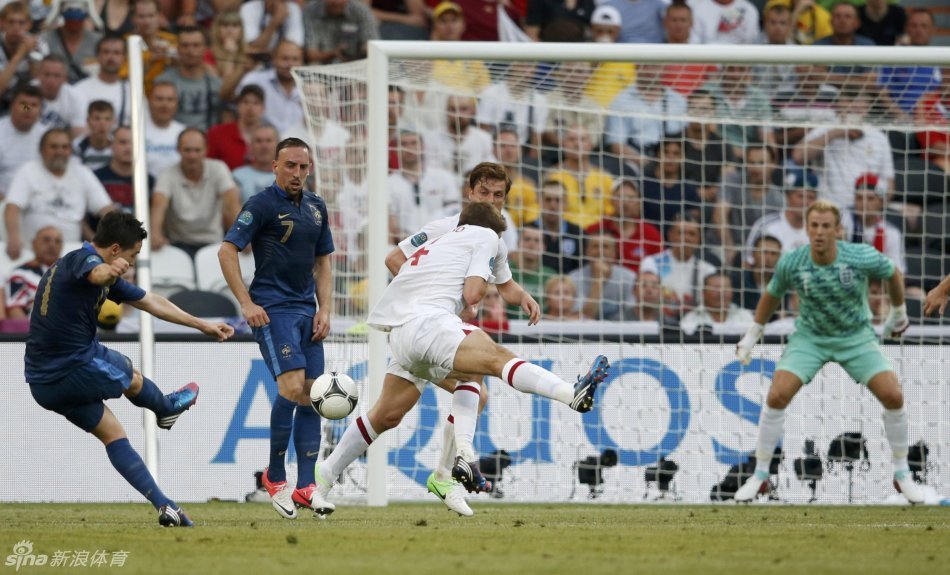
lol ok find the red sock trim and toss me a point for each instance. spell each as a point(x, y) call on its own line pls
point(362, 427)
point(511, 373)
point(467, 387)
point(451, 419)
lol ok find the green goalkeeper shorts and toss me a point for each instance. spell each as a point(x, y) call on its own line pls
point(860, 355)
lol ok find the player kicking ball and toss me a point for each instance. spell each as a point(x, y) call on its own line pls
point(420, 309)
point(71, 373)
point(831, 279)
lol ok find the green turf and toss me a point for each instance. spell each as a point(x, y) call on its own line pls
point(418, 539)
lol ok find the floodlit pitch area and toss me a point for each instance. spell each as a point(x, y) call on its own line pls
point(417, 538)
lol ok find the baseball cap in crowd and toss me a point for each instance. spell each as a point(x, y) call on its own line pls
point(74, 9)
point(798, 178)
point(444, 7)
point(871, 182)
point(606, 16)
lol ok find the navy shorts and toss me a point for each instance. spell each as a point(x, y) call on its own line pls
point(285, 345)
point(78, 397)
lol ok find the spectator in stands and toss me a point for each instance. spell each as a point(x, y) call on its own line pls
point(608, 78)
point(725, 22)
point(229, 142)
point(21, 285)
point(717, 313)
point(527, 266)
point(63, 106)
point(848, 151)
point(161, 46)
point(642, 116)
point(95, 148)
point(751, 279)
point(226, 52)
point(808, 21)
point(587, 188)
point(282, 104)
point(706, 153)
point(906, 84)
point(777, 30)
point(194, 200)
point(266, 23)
point(107, 85)
point(492, 316)
point(883, 22)
point(464, 145)
point(637, 237)
point(259, 173)
point(116, 177)
point(932, 113)
point(647, 294)
point(401, 19)
point(736, 98)
point(481, 18)
point(747, 196)
point(569, 105)
point(515, 100)
point(541, 13)
point(199, 92)
point(55, 190)
point(448, 25)
point(680, 267)
point(810, 99)
point(868, 223)
point(604, 286)
point(20, 133)
point(337, 30)
point(801, 191)
point(562, 239)
point(522, 202)
point(161, 128)
point(19, 49)
point(683, 77)
point(419, 193)
point(844, 24)
point(560, 300)
point(116, 16)
point(665, 193)
point(641, 22)
point(73, 41)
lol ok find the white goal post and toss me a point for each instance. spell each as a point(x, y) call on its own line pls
point(379, 73)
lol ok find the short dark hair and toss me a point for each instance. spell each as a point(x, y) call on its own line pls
point(483, 214)
point(110, 37)
point(291, 143)
point(118, 227)
point(25, 89)
point(489, 171)
point(251, 90)
point(717, 274)
point(55, 58)
point(100, 106)
point(767, 238)
point(192, 30)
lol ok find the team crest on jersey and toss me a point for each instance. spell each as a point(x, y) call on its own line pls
point(246, 218)
point(317, 216)
point(93, 259)
point(419, 239)
point(491, 262)
point(285, 351)
point(846, 277)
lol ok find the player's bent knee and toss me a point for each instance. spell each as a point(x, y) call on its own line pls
point(385, 419)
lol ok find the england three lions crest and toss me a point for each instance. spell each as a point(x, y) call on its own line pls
point(846, 277)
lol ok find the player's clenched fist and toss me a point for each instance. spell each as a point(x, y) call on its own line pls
point(118, 267)
point(748, 341)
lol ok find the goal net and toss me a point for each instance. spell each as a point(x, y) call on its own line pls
point(653, 190)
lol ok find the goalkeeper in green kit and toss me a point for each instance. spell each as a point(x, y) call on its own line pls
point(831, 279)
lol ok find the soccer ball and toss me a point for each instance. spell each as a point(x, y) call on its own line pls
point(334, 395)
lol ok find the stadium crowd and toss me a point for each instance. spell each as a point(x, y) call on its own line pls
point(655, 192)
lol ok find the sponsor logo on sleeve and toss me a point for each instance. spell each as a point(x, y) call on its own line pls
point(419, 239)
point(246, 218)
point(93, 259)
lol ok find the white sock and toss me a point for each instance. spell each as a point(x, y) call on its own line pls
point(357, 437)
point(447, 459)
point(465, 410)
point(771, 429)
point(895, 428)
point(529, 378)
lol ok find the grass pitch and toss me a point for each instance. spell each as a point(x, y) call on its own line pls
point(425, 538)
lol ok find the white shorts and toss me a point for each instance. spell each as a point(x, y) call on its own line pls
point(423, 349)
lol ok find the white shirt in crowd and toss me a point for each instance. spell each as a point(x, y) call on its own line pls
point(282, 110)
point(460, 156)
point(847, 160)
point(733, 23)
point(438, 193)
point(255, 19)
point(161, 145)
point(528, 112)
point(431, 282)
point(116, 93)
point(16, 149)
point(684, 278)
point(68, 110)
point(737, 321)
point(47, 200)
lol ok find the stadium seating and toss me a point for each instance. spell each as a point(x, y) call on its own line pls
point(204, 303)
point(208, 270)
point(172, 270)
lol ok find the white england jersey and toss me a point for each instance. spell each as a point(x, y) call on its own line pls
point(430, 282)
point(501, 273)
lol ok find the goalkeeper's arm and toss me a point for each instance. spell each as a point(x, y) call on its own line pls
point(765, 310)
point(897, 320)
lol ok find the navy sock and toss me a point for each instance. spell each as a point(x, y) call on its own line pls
point(151, 398)
point(128, 463)
point(281, 424)
point(306, 443)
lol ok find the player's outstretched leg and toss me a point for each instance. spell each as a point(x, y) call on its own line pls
point(529, 378)
point(358, 436)
point(179, 401)
point(167, 408)
point(586, 386)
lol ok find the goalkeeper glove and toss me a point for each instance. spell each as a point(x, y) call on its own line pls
point(748, 341)
point(896, 322)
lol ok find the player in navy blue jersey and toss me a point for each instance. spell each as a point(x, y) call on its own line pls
point(71, 373)
point(289, 233)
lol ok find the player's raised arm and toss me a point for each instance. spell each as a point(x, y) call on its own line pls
point(166, 310)
point(897, 320)
point(106, 274)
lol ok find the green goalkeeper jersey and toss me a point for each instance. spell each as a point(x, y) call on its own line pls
point(833, 299)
